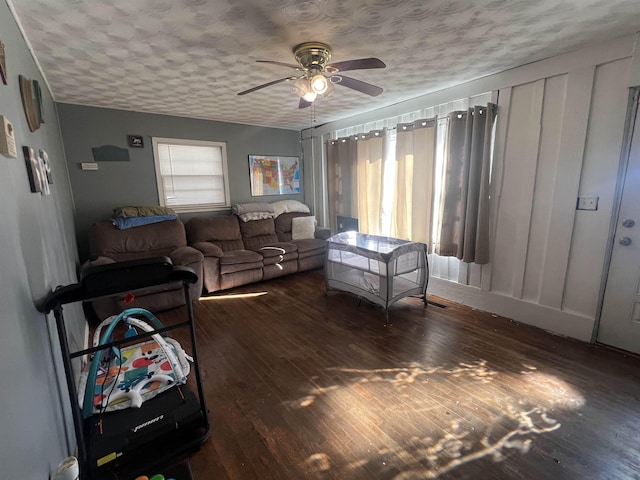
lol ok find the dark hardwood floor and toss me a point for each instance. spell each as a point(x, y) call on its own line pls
point(302, 385)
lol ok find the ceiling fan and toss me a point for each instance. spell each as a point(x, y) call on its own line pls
point(318, 76)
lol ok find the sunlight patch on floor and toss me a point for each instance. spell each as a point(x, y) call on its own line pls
point(232, 296)
point(552, 391)
point(403, 377)
point(439, 418)
point(455, 448)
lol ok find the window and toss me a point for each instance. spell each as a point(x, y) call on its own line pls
point(442, 267)
point(191, 174)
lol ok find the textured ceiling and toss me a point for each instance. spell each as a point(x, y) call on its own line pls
point(191, 57)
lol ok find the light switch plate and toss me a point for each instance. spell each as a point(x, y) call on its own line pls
point(588, 203)
point(89, 166)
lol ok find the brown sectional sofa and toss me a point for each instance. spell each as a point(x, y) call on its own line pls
point(224, 251)
point(237, 252)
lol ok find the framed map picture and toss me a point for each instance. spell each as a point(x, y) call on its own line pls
point(273, 175)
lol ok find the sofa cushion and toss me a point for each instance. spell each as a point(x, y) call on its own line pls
point(279, 270)
point(257, 233)
point(310, 262)
point(209, 249)
point(153, 240)
point(240, 256)
point(278, 248)
point(240, 267)
point(186, 255)
point(309, 245)
point(231, 280)
point(280, 258)
point(222, 230)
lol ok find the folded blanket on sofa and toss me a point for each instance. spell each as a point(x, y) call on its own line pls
point(243, 208)
point(122, 223)
point(288, 206)
point(246, 217)
point(142, 211)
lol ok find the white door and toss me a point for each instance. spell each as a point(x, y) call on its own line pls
point(620, 318)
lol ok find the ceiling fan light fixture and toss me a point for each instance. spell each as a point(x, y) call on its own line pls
point(330, 89)
point(303, 89)
point(301, 86)
point(319, 83)
point(310, 96)
point(316, 76)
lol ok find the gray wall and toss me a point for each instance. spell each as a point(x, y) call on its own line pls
point(117, 184)
point(37, 253)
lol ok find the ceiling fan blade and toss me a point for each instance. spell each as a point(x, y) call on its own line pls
point(359, 64)
point(282, 64)
point(267, 85)
point(359, 85)
point(303, 103)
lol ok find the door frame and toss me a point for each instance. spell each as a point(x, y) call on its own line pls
point(625, 152)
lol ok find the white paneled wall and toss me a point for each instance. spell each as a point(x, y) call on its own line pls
point(562, 140)
point(597, 178)
point(558, 136)
point(542, 200)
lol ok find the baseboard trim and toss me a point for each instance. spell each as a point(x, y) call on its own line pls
point(550, 319)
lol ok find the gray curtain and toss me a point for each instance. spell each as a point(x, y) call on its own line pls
point(342, 157)
point(464, 210)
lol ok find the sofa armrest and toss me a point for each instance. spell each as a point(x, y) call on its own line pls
point(322, 233)
point(95, 262)
point(209, 249)
point(190, 257)
point(186, 256)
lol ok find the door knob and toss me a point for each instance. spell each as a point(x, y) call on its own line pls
point(628, 223)
point(624, 241)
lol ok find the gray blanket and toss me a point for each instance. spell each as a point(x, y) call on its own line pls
point(243, 208)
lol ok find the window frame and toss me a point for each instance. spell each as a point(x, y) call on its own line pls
point(191, 143)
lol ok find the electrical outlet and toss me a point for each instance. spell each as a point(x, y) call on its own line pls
point(588, 203)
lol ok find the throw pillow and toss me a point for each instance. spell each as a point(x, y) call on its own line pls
point(303, 227)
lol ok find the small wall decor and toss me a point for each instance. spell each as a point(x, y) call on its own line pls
point(274, 175)
point(135, 141)
point(7, 138)
point(46, 166)
point(33, 169)
point(110, 153)
point(37, 93)
point(29, 103)
point(3, 64)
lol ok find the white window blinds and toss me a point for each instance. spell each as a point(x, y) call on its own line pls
point(191, 175)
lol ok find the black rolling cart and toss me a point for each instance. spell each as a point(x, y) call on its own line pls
point(125, 443)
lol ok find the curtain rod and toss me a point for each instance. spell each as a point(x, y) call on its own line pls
point(436, 119)
point(377, 132)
